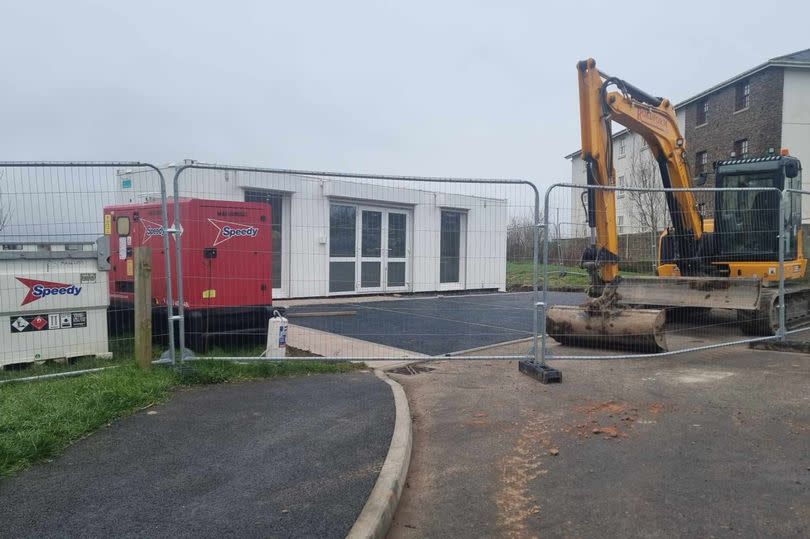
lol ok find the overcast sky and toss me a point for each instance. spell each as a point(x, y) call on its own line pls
point(409, 87)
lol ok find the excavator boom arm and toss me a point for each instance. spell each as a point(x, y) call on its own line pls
point(654, 119)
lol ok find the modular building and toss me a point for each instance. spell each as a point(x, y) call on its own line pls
point(335, 236)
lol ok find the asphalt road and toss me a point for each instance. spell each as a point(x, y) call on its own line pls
point(290, 457)
point(435, 325)
point(711, 444)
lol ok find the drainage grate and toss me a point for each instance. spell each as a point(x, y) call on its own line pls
point(411, 369)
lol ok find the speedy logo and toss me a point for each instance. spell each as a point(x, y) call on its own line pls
point(151, 229)
point(40, 289)
point(227, 230)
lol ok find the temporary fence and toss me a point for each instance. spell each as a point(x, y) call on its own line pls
point(363, 266)
point(729, 289)
point(59, 312)
point(797, 228)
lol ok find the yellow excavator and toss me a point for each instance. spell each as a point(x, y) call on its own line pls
point(730, 261)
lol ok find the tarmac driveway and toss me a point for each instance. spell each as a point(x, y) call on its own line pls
point(288, 457)
point(434, 325)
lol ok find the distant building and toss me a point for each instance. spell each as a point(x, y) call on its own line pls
point(760, 110)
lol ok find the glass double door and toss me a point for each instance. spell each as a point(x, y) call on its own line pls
point(382, 253)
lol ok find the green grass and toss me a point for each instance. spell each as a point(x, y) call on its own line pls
point(217, 372)
point(573, 278)
point(519, 276)
point(39, 419)
point(121, 346)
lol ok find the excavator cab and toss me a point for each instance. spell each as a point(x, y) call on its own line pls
point(747, 222)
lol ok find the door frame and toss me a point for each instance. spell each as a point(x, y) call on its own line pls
point(406, 286)
point(462, 254)
point(358, 259)
point(358, 250)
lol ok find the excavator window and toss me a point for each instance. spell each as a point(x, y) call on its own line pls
point(748, 221)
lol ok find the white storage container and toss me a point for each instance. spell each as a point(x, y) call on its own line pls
point(52, 307)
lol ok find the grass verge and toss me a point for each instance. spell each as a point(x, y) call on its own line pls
point(565, 278)
point(519, 277)
point(39, 419)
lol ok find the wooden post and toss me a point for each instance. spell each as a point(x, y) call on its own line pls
point(143, 307)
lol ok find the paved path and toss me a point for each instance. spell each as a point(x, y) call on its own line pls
point(288, 457)
point(711, 444)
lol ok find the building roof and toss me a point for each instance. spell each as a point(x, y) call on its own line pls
point(799, 56)
point(798, 59)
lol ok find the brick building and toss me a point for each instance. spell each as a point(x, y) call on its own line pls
point(758, 111)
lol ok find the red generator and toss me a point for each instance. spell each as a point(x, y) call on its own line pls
point(227, 267)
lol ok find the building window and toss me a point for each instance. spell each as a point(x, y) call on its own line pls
point(742, 95)
point(741, 148)
point(450, 248)
point(621, 148)
point(701, 158)
point(12, 247)
point(702, 111)
point(620, 183)
point(620, 223)
point(276, 218)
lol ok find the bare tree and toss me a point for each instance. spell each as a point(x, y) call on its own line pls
point(648, 208)
point(520, 239)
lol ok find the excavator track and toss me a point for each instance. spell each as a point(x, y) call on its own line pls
point(764, 321)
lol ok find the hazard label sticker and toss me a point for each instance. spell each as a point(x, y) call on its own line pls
point(39, 322)
point(66, 321)
point(19, 324)
point(44, 322)
point(54, 321)
point(78, 320)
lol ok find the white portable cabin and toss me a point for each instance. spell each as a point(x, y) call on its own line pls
point(336, 237)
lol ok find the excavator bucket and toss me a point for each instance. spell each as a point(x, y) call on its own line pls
point(636, 330)
point(708, 292)
point(631, 314)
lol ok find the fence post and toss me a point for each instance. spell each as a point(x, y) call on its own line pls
point(143, 307)
point(782, 239)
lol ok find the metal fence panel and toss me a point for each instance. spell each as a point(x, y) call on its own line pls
point(794, 202)
point(367, 266)
point(728, 291)
point(59, 312)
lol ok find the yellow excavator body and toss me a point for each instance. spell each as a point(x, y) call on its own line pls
point(694, 266)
